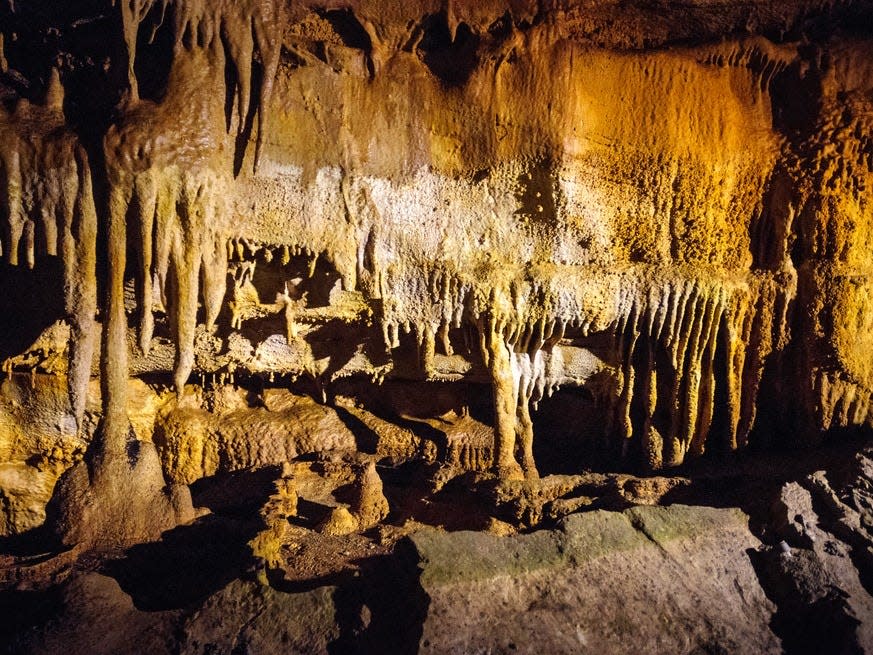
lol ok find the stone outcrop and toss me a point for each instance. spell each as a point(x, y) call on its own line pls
point(540, 584)
point(650, 579)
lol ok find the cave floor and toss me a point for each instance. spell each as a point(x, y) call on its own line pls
point(742, 553)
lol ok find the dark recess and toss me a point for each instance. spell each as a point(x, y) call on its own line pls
point(452, 61)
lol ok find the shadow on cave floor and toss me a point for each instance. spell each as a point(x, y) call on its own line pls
point(191, 562)
point(24, 611)
point(31, 547)
point(389, 590)
point(186, 566)
point(751, 480)
point(238, 494)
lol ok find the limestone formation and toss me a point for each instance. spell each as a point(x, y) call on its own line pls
point(280, 506)
point(520, 257)
point(651, 219)
point(370, 507)
point(339, 522)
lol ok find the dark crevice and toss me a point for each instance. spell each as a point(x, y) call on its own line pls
point(348, 28)
point(30, 301)
point(451, 60)
point(154, 53)
point(366, 439)
point(248, 121)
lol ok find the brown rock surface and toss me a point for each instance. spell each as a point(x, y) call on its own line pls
point(789, 577)
point(650, 580)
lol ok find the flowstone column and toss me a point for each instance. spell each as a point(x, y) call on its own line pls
point(117, 496)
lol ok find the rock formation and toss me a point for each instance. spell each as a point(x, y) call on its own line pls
point(544, 203)
point(473, 243)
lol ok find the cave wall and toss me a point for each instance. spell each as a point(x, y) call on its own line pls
point(666, 209)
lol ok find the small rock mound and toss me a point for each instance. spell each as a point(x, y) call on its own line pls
point(119, 501)
point(368, 506)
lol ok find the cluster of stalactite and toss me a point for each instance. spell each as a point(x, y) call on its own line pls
point(175, 218)
point(761, 56)
point(682, 343)
point(47, 210)
point(843, 402)
point(167, 200)
point(247, 30)
point(175, 205)
point(676, 341)
point(668, 341)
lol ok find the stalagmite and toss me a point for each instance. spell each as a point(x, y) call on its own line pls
point(504, 385)
point(79, 248)
point(119, 496)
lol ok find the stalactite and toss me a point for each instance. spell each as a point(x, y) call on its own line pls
point(46, 198)
point(145, 197)
point(133, 12)
point(247, 28)
point(79, 247)
point(652, 440)
point(690, 321)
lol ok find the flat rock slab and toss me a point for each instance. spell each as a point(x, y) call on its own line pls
point(96, 617)
point(248, 618)
point(672, 579)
